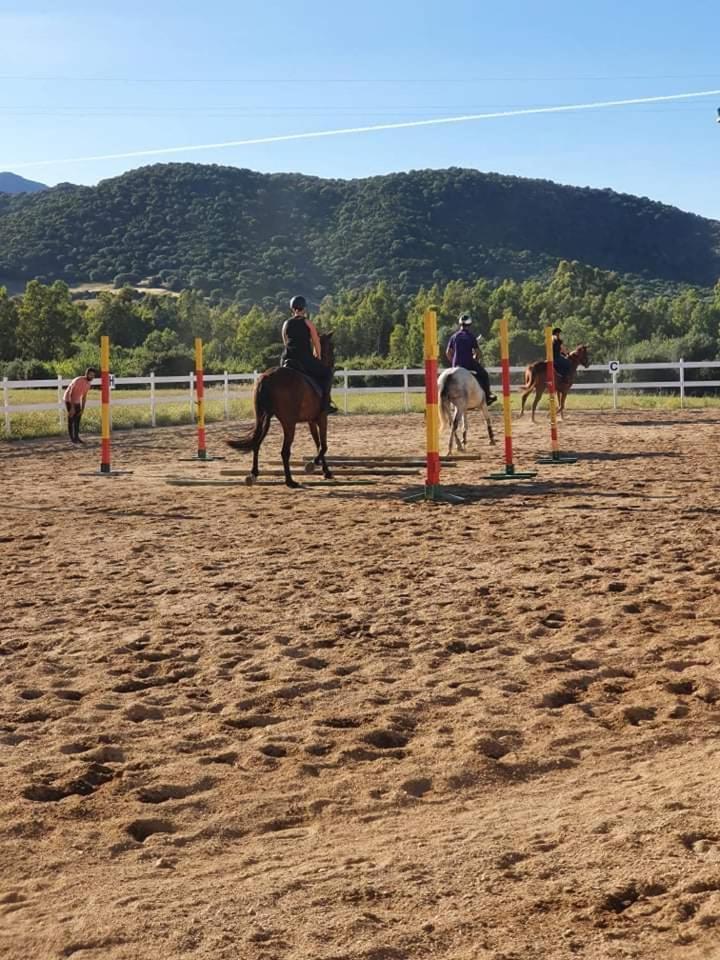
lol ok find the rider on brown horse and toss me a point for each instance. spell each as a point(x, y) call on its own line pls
point(302, 350)
point(562, 365)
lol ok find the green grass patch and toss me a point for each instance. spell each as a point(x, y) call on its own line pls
point(46, 423)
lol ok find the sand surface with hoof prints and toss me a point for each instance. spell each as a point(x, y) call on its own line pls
point(253, 723)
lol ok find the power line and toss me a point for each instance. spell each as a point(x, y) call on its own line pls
point(373, 128)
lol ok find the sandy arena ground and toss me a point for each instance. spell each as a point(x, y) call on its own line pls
point(263, 724)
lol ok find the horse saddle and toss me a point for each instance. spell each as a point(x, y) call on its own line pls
point(311, 381)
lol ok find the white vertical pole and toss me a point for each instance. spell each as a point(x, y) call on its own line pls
point(226, 395)
point(614, 389)
point(153, 414)
point(6, 405)
point(60, 401)
point(345, 391)
point(682, 383)
point(405, 389)
point(191, 378)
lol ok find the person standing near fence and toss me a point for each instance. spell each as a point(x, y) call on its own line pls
point(75, 397)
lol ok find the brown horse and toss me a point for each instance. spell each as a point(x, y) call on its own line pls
point(536, 379)
point(286, 394)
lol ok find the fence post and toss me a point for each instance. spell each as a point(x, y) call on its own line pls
point(226, 394)
point(60, 402)
point(614, 389)
point(191, 378)
point(153, 415)
point(345, 390)
point(6, 405)
point(406, 385)
point(682, 383)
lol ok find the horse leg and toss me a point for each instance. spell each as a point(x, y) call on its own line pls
point(315, 433)
point(454, 432)
point(262, 433)
point(288, 437)
point(525, 394)
point(464, 440)
point(321, 427)
point(491, 435)
point(539, 391)
point(561, 404)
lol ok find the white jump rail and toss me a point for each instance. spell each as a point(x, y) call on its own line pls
point(224, 387)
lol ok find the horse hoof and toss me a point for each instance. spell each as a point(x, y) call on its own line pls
point(329, 475)
point(250, 479)
point(310, 467)
point(293, 484)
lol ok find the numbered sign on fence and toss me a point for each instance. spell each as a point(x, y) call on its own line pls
point(614, 366)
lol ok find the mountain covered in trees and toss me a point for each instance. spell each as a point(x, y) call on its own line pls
point(12, 183)
point(235, 234)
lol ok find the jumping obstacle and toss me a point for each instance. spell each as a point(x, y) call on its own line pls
point(202, 453)
point(105, 443)
point(556, 458)
point(510, 473)
point(433, 490)
point(340, 471)
point(206, 482)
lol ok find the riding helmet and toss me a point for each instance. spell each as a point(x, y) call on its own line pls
point(465, 320)
point(298, 303)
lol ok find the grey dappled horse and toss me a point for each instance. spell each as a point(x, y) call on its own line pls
point(459, 391)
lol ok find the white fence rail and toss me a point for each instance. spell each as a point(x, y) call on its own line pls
point(225, 387)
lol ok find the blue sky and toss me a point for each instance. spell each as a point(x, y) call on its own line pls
point(80, 79)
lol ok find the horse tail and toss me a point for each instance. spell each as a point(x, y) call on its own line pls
point(263, 411)
point(529, 372)
point(445, 411)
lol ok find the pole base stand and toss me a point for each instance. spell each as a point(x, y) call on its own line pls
point(108, 473)
point(435, 494)
point(512, 475)
point(199, 458)
point(559, 460)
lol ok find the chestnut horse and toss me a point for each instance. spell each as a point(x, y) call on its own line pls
point(536, 379)
point(285, 393)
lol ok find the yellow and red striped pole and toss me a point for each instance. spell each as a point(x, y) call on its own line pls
point(555, 456)
point(200, 396)
point(432, 422)
point(432, 489)
point(105, 405)
point(550, 375)
point(510, 472)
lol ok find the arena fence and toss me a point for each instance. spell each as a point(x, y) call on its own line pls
point(613, 378)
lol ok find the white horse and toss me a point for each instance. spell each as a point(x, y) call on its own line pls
point(459, 391)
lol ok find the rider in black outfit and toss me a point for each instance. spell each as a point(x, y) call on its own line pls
point(560, 359)
point(302, 349)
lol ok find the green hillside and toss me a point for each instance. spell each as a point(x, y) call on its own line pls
point(259, 237)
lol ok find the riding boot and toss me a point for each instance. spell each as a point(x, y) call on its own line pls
point(328, 406)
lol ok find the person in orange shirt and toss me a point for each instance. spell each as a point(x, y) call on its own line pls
point(75, 396)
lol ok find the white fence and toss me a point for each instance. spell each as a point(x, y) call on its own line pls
point(227, 386)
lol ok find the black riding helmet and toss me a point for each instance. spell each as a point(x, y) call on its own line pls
point(465, 320)
point(298, 303)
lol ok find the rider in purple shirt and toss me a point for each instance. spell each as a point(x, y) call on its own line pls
point(462, 351)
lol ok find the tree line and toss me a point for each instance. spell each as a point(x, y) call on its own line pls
point(45, 332)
